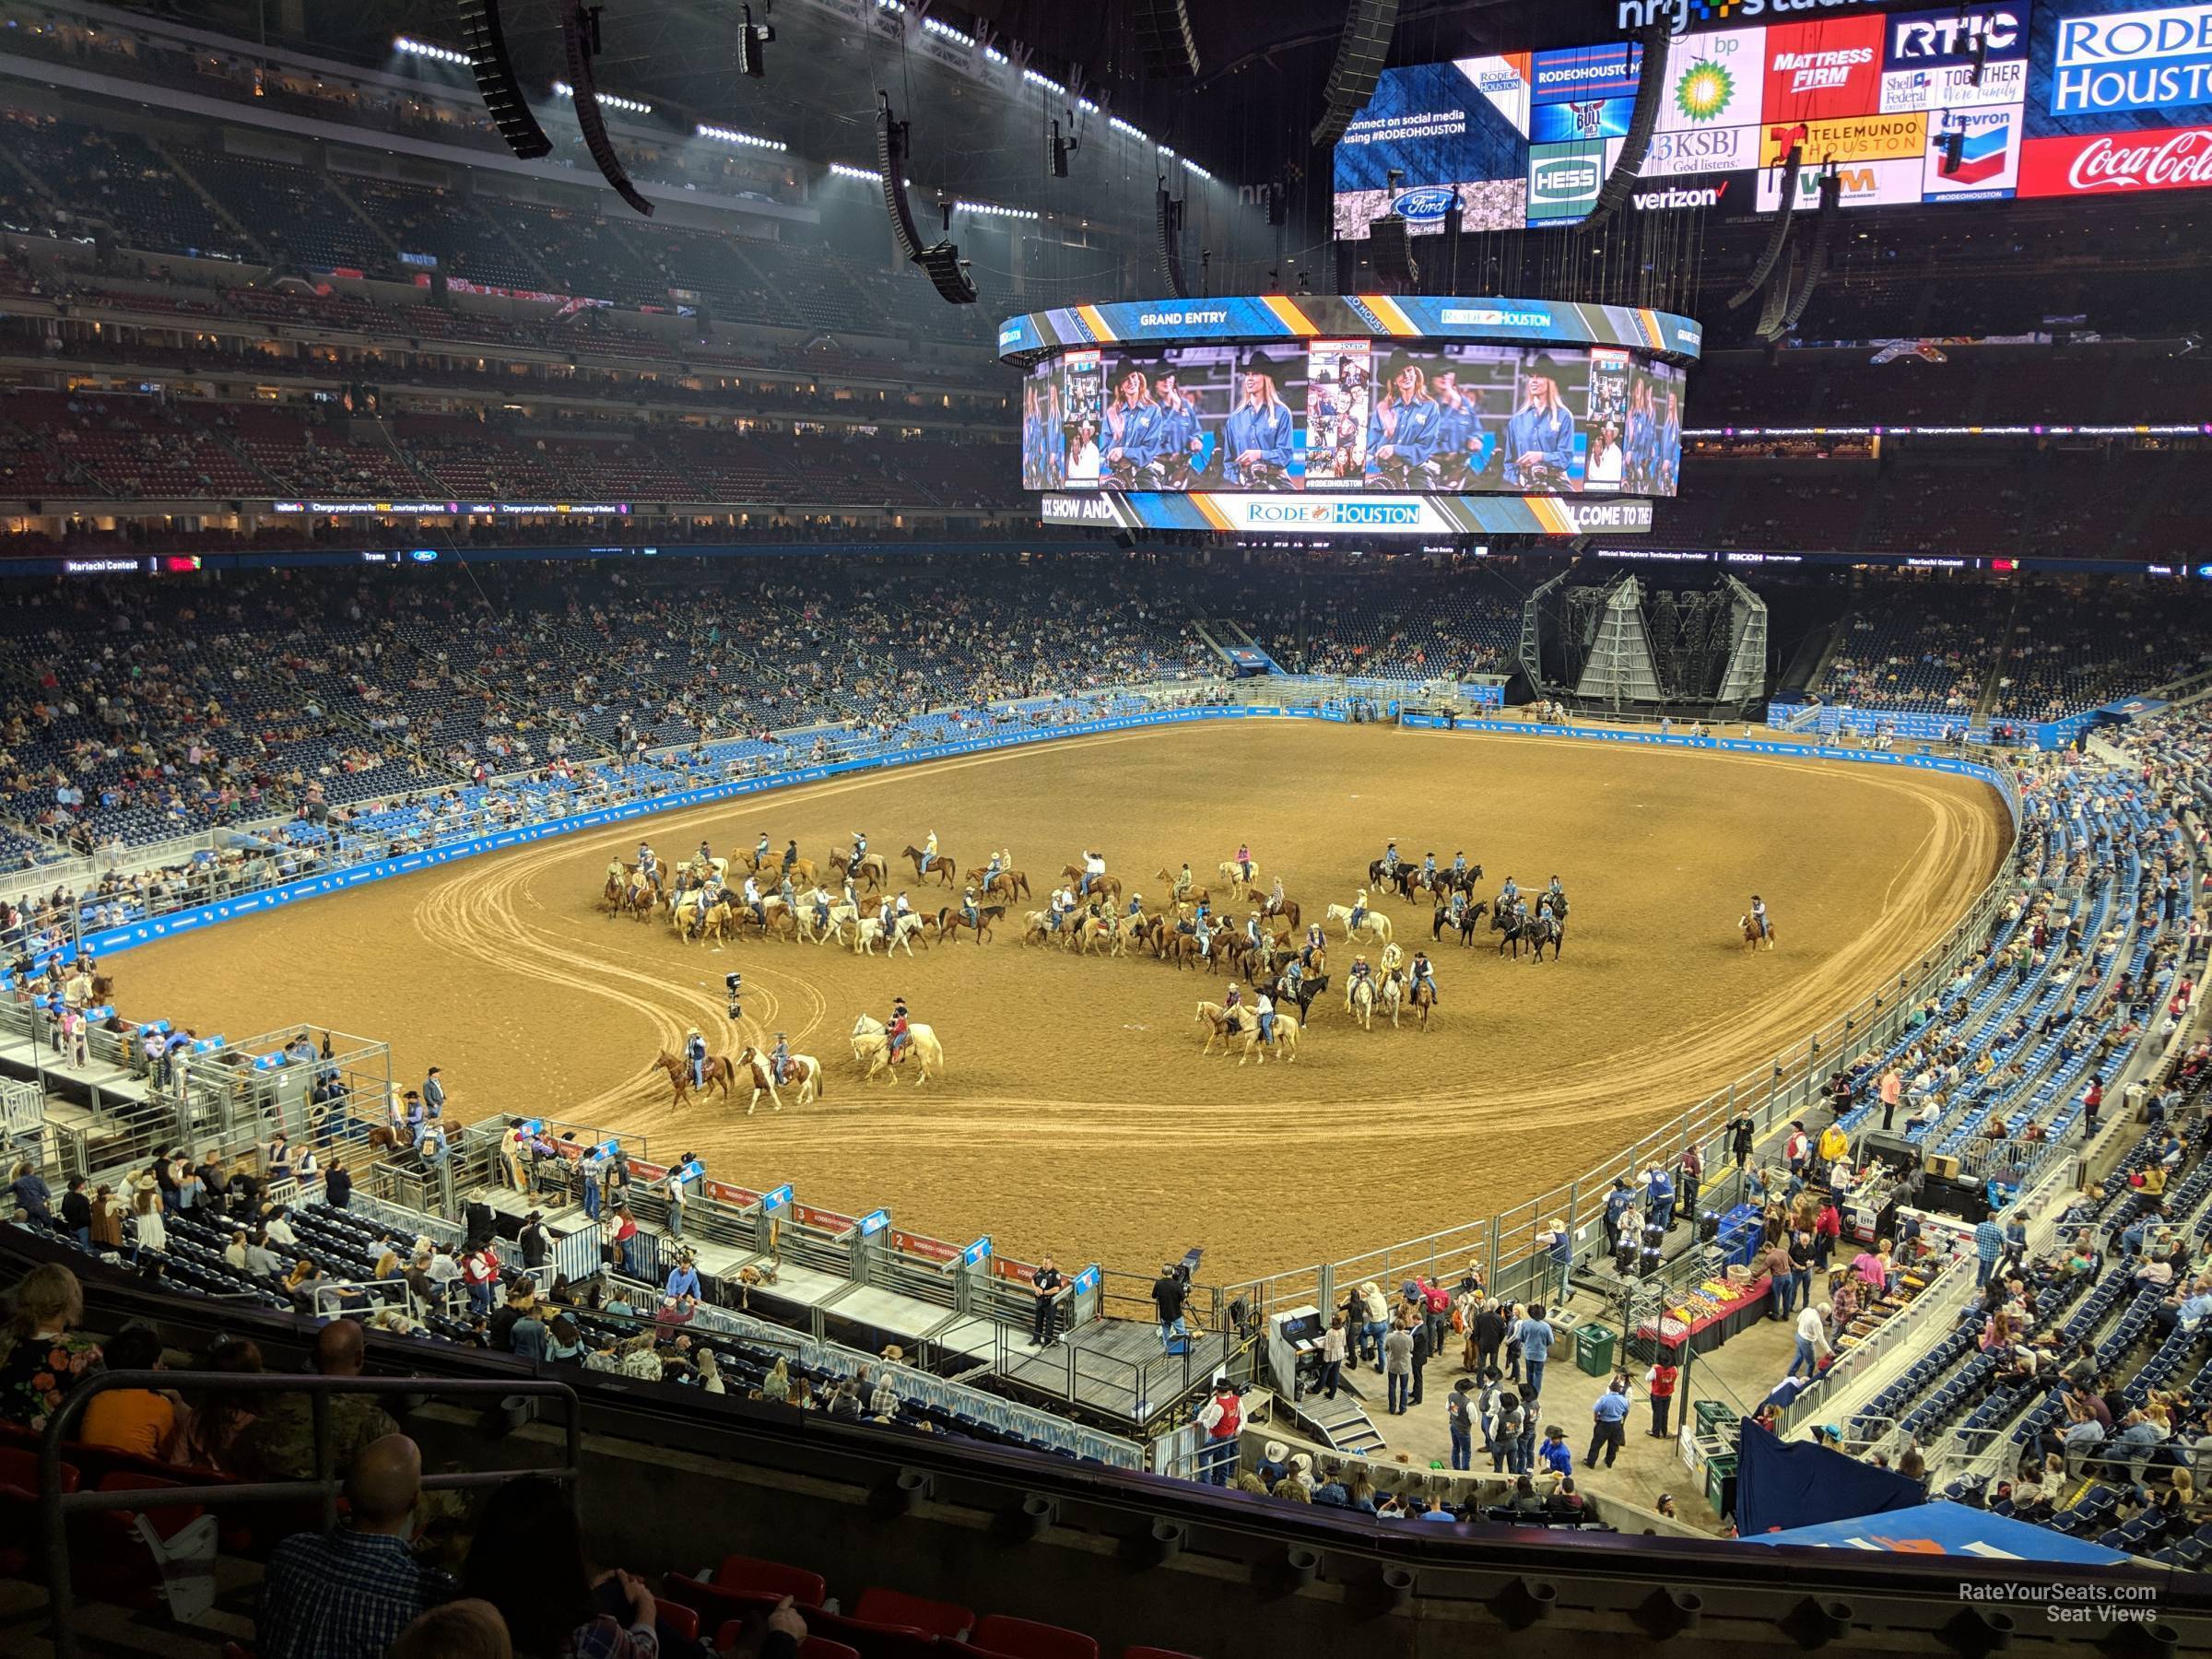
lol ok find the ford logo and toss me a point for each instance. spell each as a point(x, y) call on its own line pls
point(1425, 207)
point(424, 555)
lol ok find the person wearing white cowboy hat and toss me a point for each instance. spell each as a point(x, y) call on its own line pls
point(695, 1056)
point(1274, 1462)
point(1301, 1470)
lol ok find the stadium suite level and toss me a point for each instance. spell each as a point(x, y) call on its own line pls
point(1178, 410)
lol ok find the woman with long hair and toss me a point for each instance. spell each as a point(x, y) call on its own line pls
point(1132, 429)
point(1401, 431)
point(43, 1354)
point(528, 1561)
point(1260, 435)
point(209, 1439)
point(1539, 439)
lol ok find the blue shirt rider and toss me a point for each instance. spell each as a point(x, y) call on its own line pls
point(779, 1058)
point(1539, 439)
point(1429, 865)
point(1389, 858)
point(1294, 975)
point(1204, 931)
point(787, 893)
point(1136, 904)
point(695, 1052)
point(1458, 902)
point(1508, 892)
point(860, 846)
point(1555, 887)
point(1459, 863)
point(1423, 968)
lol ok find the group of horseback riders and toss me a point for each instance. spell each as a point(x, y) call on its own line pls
point(696, 1057)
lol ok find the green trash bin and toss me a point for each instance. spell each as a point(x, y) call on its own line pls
point(1720, 1485)
point(1593, 1349)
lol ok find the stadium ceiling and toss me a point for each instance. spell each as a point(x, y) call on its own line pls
point(1263, 66)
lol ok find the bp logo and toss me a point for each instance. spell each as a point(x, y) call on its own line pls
point(1704, 91)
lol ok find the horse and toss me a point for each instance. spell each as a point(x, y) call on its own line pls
point(1286, 1028)
point(806, 1067)
point(1310, 987)
point(1192, 894)
point(1235, 881)
point(898, 937)
point(1374, 922)
point(950, 920)
point(870, 1044)
point(1543, 929)
point(1392, 959)
point(1511, 926)
point(640, 896)
point(1219, 1022)
point(717, 1075)
point(617, 878)
point(1288, 914)
point(1179, 948)
point(717, 924)
point(942, 868)
point(1424, 1000)
point(1753, 932)
point(1099, 933)
point(1011, 884)
point(1393, 994)
point(1359, 1000)
point(1110, 885)
point(872, 869)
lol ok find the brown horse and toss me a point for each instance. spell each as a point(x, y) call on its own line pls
point(1110, 885)
point(1010, 885)
point(942, 868)
point(871, 869)
point(1195, 895)
point(718, 1074)
point(1180, 948)
point(1752, 934)
point(951, 920)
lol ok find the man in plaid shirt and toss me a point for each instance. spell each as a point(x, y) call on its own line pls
point(347, 1595)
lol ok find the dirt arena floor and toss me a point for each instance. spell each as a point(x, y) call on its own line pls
point(1076, 1115)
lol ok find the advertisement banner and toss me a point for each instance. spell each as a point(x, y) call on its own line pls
point(1974, 155)
point(1713, 80)
point(1819, 71)
point(1585, 72)
point(1707, 150)
point(1956, 38)
point(1563, 179)
point(2120, 60)
point(2117, 163)
point(1954, 88)
point(1855, 138)
point(1580, 118)
point(1865, 185)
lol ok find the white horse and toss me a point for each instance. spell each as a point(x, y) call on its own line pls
point(870, 1044)
point(1286, 1037)
point(1393, 994)
point(1359, 1002)
point(1374, 922)
point(870, 932)
point(1232, 876)
point(840, 917)
point(806, 1067)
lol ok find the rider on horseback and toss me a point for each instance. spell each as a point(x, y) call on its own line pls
point(1390, 859)
point(1275, 898)
point(1063, 902)
point(1424, 970)
point(1508, 892)
point(859, 847)
point(1204, 928)
point(1231, 1003)
point(991, 872)
point(752, 900)
point(791, 854)
point(1361, 975)
point(1360, 906)
point(1428, 868)
point(894, 1031)
point(1459, 864)
point(820, 897)
point(648, 865)
point(929, 852)
point(967, 910)
point(1759, 915)
point(1245, 861)
point(1555, 890)
point(1252, 930)
point(695, 1055)
point(760, 850)
point(1136, 905)
point(900, 913)
point(786, 892)
point(778, 1059)
point(1315, 940)
point(1264, 1005)
point(1094, 866)
point(1294, 975)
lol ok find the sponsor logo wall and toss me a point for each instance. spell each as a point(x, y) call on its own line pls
point(2003, 90)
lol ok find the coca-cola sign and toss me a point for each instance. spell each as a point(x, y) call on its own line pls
point(2117, 163)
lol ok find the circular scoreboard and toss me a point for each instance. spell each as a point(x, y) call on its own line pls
point(1409, 414)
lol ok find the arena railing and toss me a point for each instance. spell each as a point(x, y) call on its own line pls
point(55, 1506)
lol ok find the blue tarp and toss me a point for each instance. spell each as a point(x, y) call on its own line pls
point(1949, 1529)
point(2127, 708)
point(1783, 1484)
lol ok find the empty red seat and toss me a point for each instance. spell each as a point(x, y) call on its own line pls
point(746, 1573)
point(883, 1606)
point(821, 1647)
point(1025, 1639)
point(19, 1506)
point(682, 1620)
point(717, 1609)
point(872, 1640)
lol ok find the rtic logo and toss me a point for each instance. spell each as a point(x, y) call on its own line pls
point(1821, 71)
point(1949, 37)
point(2183, 159)
point(1709, 197)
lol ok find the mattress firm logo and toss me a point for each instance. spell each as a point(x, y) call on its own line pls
point(1181, 319)
point(1821, 71)
point(1682, 15)
point(1337, 515)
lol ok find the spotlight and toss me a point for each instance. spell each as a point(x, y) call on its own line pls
point(423, 49)
point(494, 70)
point(608, 100)
point(731, 136)
point(752, 42)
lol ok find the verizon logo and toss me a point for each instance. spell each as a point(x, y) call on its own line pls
point(2185, 159)
point(1708, 197)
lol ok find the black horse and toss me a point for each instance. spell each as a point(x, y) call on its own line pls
point(1309, 988)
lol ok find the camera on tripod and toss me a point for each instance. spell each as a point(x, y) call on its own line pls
point(735, 982)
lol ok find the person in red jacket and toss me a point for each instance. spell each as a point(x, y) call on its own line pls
point(626, 1228)
point(1660, 1382)
point(1828, 1226)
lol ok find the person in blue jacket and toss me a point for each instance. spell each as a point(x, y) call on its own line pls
point(1667, 450)
point(1181, 445)
point(1258, 437)
point(1638, 438)
point(1458, 431)
point(1539, 439)
point(1401, 433)
point(1132, 431)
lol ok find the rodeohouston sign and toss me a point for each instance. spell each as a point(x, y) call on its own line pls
point(152, 929)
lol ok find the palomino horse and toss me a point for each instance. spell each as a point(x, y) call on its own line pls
point(1287, 1029)
point(950, 920)
point(1753, 932)
point(1008, 885)
point(1424, 1001)
point(679, 1073)
point(1234, 878)
point(871, 869)
point(1374, 922)
point(752, 1063)
point(1189, 894)
point(871, 1045)
point(942, 868)
point(1229, 1024)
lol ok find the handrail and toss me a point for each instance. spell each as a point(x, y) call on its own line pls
point(55, 1506)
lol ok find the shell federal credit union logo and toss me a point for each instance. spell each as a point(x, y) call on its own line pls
point(1703, 90)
